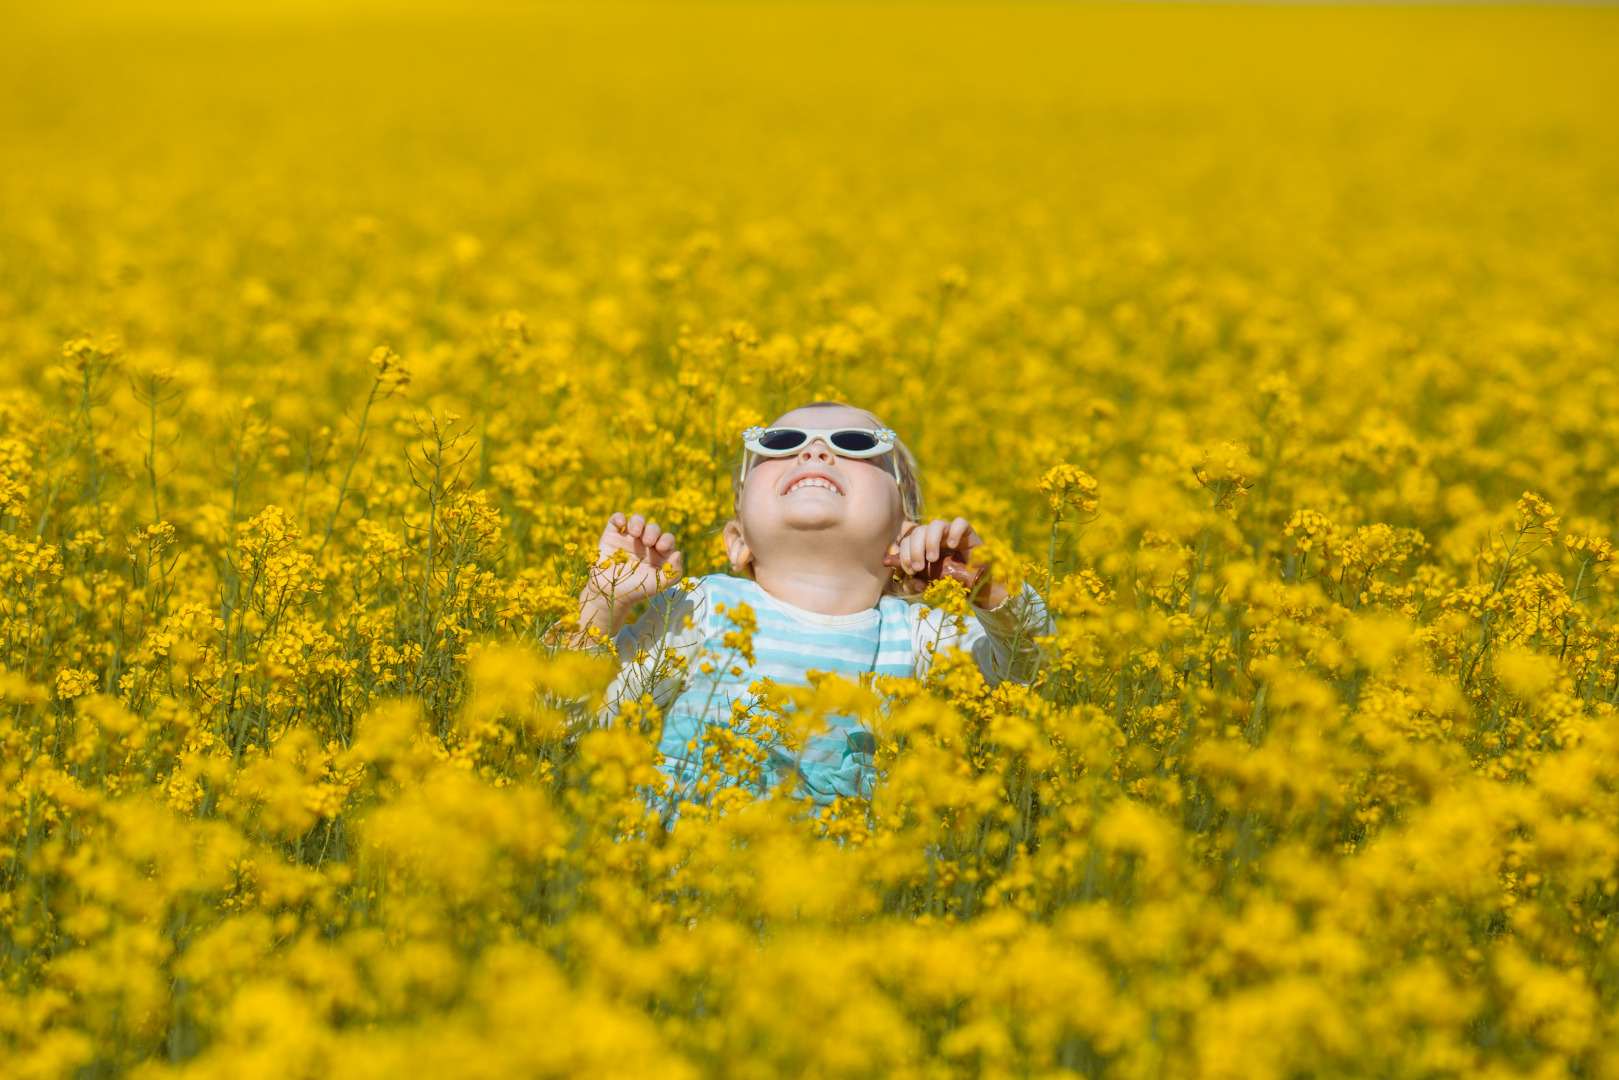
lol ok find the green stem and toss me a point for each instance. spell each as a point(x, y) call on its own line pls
point(342, 491)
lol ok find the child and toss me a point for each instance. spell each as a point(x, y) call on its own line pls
point(822, 498)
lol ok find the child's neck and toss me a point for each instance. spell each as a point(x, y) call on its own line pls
point(843, 589)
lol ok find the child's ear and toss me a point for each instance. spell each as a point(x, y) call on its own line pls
point(736, 548)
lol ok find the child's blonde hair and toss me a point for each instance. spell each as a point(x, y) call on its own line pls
point(910, 481)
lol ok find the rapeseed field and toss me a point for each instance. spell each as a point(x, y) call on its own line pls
point(1275, 347)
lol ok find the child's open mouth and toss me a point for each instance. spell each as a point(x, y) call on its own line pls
point(812, 482)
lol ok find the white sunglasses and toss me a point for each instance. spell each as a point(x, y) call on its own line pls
point(845, 442)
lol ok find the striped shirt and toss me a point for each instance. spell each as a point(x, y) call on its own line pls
point(710, 685)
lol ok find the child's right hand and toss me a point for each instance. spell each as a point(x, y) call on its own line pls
point(648, 550)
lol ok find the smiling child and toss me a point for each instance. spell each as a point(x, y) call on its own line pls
point(827, 506)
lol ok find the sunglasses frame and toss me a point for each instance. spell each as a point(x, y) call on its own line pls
point(752, 443)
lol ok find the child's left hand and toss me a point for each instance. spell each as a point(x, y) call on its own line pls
point(920, 545)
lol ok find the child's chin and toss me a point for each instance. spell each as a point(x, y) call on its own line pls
point(813, 516)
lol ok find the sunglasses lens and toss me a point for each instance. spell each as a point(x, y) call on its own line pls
point(779, 439)
point(854, 442)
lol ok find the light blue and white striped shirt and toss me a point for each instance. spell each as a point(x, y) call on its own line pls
point(897, 637)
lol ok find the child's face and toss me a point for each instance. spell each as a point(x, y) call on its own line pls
point(779, 512)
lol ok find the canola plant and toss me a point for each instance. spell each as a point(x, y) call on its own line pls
point(1274, 347)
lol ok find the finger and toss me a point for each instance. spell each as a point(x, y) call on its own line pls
point(896, 548)
point(637, 523)
point(919, 550)
point(617, 522)
point(666, 543)
point(650, 534)
point(935, 538)
point(678, 561)
point(957, 534)
point(910, 554)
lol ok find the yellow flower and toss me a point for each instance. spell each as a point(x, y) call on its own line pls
point(75, 682)
point(1068, 486)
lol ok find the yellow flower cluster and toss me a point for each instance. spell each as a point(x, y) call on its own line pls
point(1273, 347)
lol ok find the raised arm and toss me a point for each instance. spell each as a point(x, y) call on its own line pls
point(1004, 639)
point(1003, 634)
point(635, 559)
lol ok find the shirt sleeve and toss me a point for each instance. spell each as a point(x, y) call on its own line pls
point(1004, 640)
point(655, 651)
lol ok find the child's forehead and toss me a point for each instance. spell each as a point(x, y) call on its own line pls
point(824, 416)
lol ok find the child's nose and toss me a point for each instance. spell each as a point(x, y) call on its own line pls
point(816, 451)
